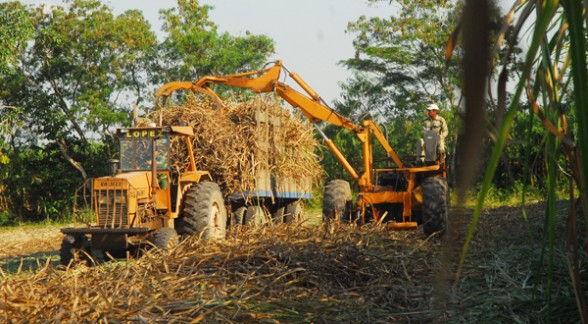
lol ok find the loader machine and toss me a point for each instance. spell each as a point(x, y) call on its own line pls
point(400, 195)
point(144, 201)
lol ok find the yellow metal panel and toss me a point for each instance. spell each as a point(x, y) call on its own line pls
point(195, 176)
point(110, 183)
point(383, 197)
point(162, 199)
point(132, 201)
point(183, 130)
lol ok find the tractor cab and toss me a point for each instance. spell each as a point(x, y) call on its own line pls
point(141, 149)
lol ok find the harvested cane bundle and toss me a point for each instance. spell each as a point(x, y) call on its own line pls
point(270, 274)
point(244, 139)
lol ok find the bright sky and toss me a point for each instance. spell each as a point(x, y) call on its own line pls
point(309, 35)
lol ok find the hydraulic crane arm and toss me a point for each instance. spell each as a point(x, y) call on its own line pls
point(266, 80)
point(382, 139)
point(314, 110)
point(311, 105)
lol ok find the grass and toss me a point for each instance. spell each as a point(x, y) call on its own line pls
point(505, 277)
point(32, 226)
point(497, 197)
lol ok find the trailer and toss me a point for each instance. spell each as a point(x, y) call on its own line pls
point(275, 199)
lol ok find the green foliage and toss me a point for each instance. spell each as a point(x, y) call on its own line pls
point(194, 48)
point(40, 183)
point(72, 74)
point(511, 196)
point(399, 67)
point(16, 29)
point(554, 93)
point(70, 70)
point(404, 55)
point(5, 218)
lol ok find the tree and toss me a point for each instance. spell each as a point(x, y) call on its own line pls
point(15, 29)
point(72, 73)
point(405, 55)
point(194, 47)
point(73, 70)
point(399, 67)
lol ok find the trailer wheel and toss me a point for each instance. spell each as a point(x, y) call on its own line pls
point(337, 200)
point(72, 249)
point(255, 216)
point(294, 213)
point(165, 239)
point(434, 209)
point(238, 216)
point(204, 212)
point(278, 216)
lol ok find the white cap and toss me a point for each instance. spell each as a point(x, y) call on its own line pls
point(432, 107)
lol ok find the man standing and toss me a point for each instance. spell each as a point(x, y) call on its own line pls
point(435, 123)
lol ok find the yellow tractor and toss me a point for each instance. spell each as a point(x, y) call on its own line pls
point(402, 196)
point(145, 201)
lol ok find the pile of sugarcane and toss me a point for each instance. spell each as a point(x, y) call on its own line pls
point(238, 141)
point(287, 273)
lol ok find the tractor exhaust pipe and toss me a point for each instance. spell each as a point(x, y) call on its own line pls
point(113, 166)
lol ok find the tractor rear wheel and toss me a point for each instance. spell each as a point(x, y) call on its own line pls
point(337, 200)
point(204, 212)
point(434, 209)
point(165, 239)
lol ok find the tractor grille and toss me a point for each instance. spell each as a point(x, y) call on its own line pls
point(112, 208)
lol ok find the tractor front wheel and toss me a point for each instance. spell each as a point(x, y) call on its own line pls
point(72, 249)
point(165, 238)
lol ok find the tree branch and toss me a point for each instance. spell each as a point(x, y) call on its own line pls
point(74, 163)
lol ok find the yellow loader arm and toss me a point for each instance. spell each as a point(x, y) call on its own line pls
point(310, 103)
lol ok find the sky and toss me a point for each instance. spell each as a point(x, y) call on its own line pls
point(309, 35)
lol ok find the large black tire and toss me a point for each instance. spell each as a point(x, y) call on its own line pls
point(434, 211)
point(278, 215)
point(294, 213)
point(255, 216)
point(238, 216)
point(337, 200)
point(204, 212)
point(73, 249)
point(165, 238)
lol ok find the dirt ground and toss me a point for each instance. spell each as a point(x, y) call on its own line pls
point(24, 247)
